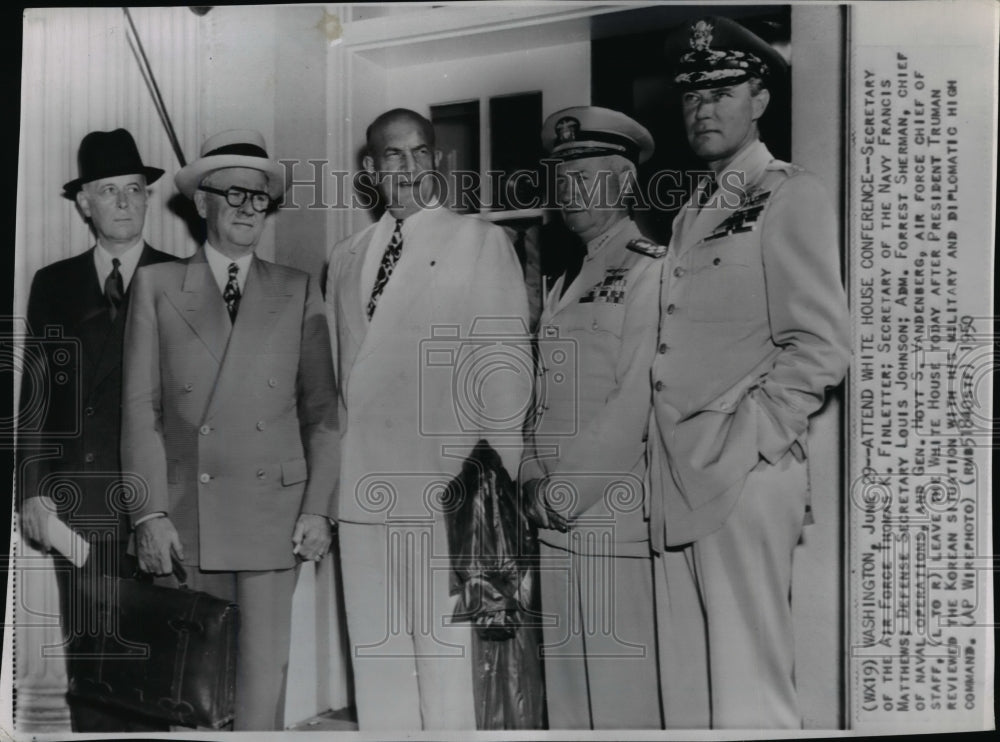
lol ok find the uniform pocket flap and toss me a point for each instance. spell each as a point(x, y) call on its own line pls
point(294, 471)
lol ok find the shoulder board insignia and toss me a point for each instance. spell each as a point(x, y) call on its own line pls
point(647, 247)
point(785, 167)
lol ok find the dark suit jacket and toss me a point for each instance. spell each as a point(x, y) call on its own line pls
point(233, 426)
point(71, 395)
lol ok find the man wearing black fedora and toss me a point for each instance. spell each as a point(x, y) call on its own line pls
point(76, 314)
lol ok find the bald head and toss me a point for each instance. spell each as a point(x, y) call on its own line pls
point(397, 115)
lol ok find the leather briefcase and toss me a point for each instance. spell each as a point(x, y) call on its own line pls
point(166, 653)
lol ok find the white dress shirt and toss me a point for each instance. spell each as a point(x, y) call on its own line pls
point(219, 264)
point(129, 262)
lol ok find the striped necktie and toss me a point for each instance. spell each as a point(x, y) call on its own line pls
point(388, 264)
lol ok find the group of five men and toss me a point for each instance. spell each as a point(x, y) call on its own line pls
point(668, 484)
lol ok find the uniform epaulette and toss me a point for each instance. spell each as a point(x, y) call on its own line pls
point(786, 167)
point(647, 247)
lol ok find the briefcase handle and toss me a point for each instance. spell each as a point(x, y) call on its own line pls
point(179, 573)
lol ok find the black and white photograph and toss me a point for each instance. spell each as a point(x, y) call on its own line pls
point(457, 370)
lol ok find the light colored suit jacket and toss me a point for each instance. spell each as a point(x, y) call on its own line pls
point(754, 317)
point(596, 344)
point(414, 396)
point(235, 432)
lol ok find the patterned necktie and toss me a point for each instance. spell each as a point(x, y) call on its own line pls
point(114, 288)
point(389, 260)
point(232, 293)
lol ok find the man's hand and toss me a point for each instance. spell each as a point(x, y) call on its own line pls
point(537, 508)
point(312, 536)
point(155, 540)
point(35, 515)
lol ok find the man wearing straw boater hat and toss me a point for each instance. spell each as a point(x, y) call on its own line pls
point(753, 331)
point(79, 303)
point(229, 413)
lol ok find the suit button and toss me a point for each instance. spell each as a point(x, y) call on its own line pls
point(670, 308)
point(204, 430)
point(188, 387)
point(89, 458)
point(658, 386)
point(678, 272)
point(204, 478)
point(717, 261)
point(261, 474)
point(663, 348)
point(260, 425)
point(272, 382)
point(89, 412)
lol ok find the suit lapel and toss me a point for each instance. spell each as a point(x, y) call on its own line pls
point(413, 279)
point(350, 289)
point(200, 303)
point(264, 295)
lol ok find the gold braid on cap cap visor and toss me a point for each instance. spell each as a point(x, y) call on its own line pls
point(718, 66)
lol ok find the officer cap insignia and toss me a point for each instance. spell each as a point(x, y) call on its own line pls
point(566, 129)
point(647, 247)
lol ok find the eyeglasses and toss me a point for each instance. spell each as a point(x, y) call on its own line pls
point(236, 197)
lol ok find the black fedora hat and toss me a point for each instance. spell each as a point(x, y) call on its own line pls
point(105, 154)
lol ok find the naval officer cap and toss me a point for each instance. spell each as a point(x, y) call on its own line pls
point(591, 131)
point(715, 52)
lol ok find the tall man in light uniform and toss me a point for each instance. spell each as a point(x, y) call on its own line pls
point(229, 413)
point(584, 473)
point(753, 331)
point(85, 298)
point(418, 273)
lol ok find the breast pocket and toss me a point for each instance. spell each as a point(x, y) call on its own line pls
point(726, 283)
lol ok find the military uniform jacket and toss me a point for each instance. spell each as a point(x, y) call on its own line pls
point(233, 426)
point(596, 344)
point(69, 434)
point(411, 403)
point(755, 325)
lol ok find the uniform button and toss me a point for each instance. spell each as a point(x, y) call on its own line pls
point(204, 478)
point(717, 261)
point(658, 386)
point(663, 348)
point(594, 325)
point(204, 430)
point(272, 382)
point(89, 458)
point(678, 271)
point(261, 474)
point(260, 425)
point(188, 387)
point(670, 308)
point(89, 412)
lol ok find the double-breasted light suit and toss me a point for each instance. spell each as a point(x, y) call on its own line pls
point(754, 327)
point(234, 428)
point(413, 405)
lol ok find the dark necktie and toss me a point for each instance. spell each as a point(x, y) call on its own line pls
point(114, 288)
point(232, 293)
point(388, 264)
